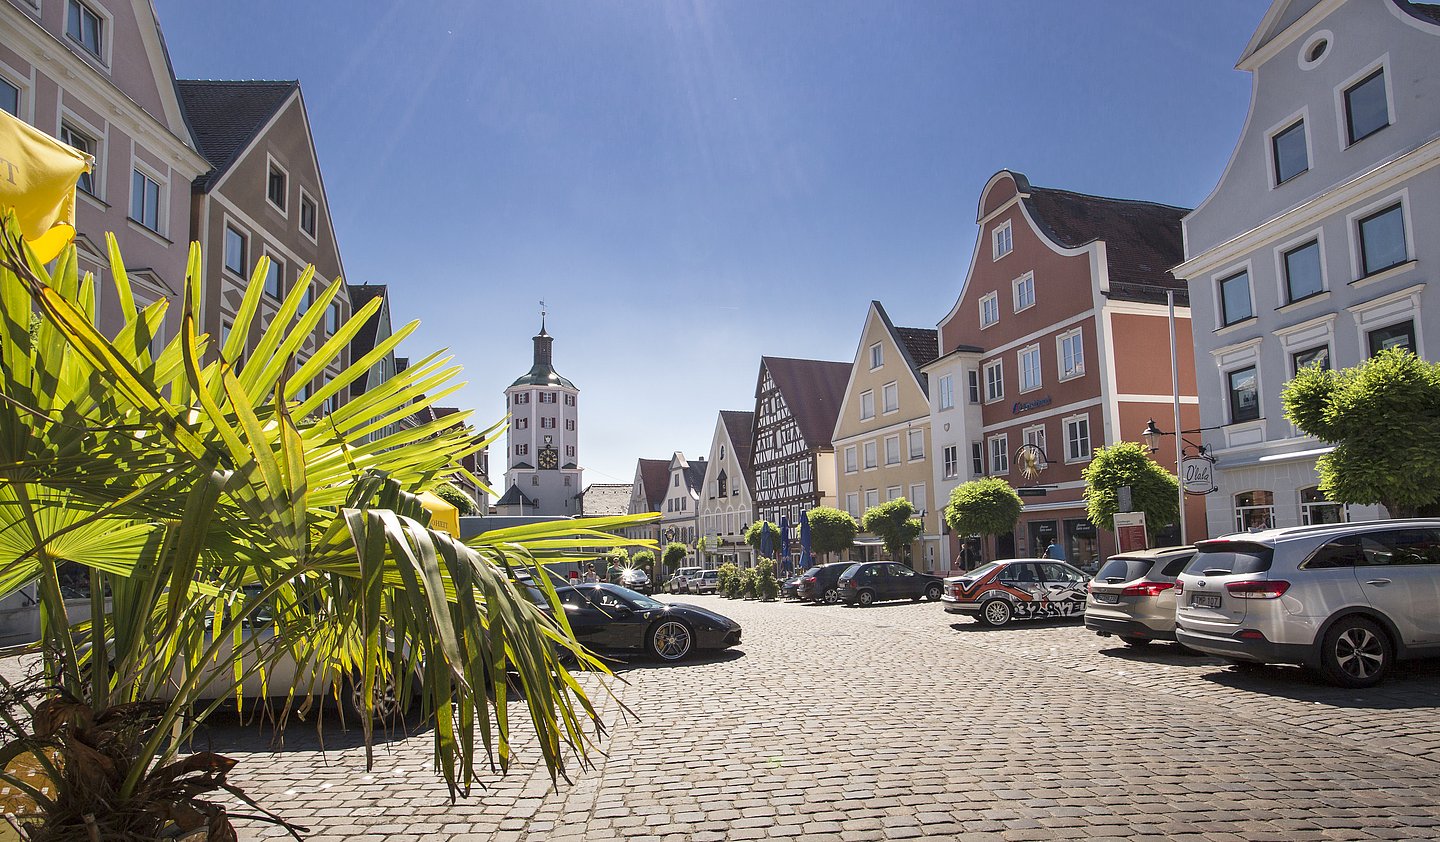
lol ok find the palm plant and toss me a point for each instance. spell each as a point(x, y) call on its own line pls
point(204, 500)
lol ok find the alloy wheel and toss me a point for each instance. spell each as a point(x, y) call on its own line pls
point(672, 640)
point(997, 612)
point(832, 596)
point(1359, 653)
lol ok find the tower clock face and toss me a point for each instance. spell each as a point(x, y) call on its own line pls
point(549, 458)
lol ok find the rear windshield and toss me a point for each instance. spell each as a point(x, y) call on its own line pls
point(982, 571)
point(1230, 558)
point(1118, 570)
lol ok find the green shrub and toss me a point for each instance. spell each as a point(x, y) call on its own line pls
point(767, 588)
point(728, 580)
point(748, 581)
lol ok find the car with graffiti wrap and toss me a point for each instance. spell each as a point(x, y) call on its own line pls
point(1017, 589)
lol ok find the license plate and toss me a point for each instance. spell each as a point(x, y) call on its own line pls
point(1107, 598)
point(1205, 600)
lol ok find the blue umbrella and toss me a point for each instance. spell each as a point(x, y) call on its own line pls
point(805, 539)
point(765, 548)
point(785, 537)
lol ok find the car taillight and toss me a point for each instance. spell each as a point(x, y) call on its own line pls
point(1258, 590)
point(1179, 587)
point(809, 580)
point(1147, 588)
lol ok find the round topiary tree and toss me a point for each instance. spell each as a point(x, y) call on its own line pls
point(1153, 490)
point(455, 497)
point(645, 560)
point(987, 506)
point(674, 553)
point(895, 524)
point(831, 530)
point(767, 588)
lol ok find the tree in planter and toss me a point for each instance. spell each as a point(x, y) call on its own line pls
point(987, 506)
point(193, 497)
point(727, 580)
point(643, 560)
point(1153, 490)
point(749, 581)
point(767, 588)
point(460, 500)
point(1381, 418)
point(674, 553)
point(831, 530)
point(755, 536)
point(895, 524)
point(701, 545)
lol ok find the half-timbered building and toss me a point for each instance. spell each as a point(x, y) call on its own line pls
point(796, 405)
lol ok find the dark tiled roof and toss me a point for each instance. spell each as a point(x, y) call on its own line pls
point(695, 474)
point(1142, 239)
point(740, 427)
point(1426, 10)
point(515, 497)
point(813, 390)
point(654, 478)
point(599, 499)
point(364, 340)
point(226, 116)
point(922, 343)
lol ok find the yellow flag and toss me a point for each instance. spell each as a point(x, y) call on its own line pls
point(37, 179)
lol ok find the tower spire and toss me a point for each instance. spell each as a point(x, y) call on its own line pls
point(542, 316)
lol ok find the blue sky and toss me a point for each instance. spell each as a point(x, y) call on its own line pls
point(690, 185)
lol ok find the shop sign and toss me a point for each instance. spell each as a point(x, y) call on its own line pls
point(1026, 406)
point(1198, 475)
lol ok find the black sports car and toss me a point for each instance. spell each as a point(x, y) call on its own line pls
point(605, 616)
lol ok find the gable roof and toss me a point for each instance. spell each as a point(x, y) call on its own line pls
point(515, 497)
point(813, 390)
point(363, 342)
point(226, 116)
point(740, 429)
point(1143, 240)
point(605, 499)
point(695, 474)
point(918, 345)
point(654, 477)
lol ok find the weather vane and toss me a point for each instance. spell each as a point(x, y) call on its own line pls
point(542, 314)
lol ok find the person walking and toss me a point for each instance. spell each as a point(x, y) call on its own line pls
point(590, 576)
point(1054, 551)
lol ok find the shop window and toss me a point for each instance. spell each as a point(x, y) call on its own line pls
point(1254, 510)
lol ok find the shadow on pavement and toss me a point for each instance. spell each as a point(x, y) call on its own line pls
point(625, 663)
point(1158, 652)
point(1412, 685)
point(226, 730)
point(1018, 625)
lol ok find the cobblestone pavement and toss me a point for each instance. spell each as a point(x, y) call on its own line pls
point(900, 721)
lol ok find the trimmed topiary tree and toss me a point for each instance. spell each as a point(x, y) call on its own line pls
point(988, 506)
point(754, 536)
point(767, 588)
point(675, 553)
point(895, 524)
point(831, 530)
point(455, 497)
point(1153, 490)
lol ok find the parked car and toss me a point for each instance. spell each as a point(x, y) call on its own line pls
point(1346, 599)
point(636, 580)
point(605, 616)
point(1017, 589)
point(790, 587)
point(822, 584)
point(878, 581)
point(1133, 595)
point(709, 582)
point(684, 580)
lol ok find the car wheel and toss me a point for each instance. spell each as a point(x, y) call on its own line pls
point(1356, 653)
point(996, 612)
point(832, 596)
point(932, 593)
point(1136, 642)
point(670, 640)
point(865, 598)
point(387, 706)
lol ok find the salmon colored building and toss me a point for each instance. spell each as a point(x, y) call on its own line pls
point(1065, 301)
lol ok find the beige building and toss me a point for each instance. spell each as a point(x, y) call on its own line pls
point(882, 437)
point(727, 507)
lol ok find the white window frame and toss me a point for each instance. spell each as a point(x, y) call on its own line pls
point(852, 459)
point(81, 126)
point(892, 448)
point(946, 386)
point(271, 163)
point(977, 459)
point(1321, 35)
point(912, 438)
point(1217, 278)
point(920, 501)
point(1382, 64)
point(950, 461)
point(893, 492)
point(1076, 334)
point(877, 356)
point(867, 405)
point(312, 236)
point(1386, 311)
point(890, 397)
point(1035, 435)
point(1282, 279)
point(107, 33)
point(1001, 234)
point(852, 503)
point(999, 452)
point(1025, 281)
point(1352, 225)
point(1259, 390)
point(24, 101)
point(1066, 424)
point(275, 261)
point(872, 498)
point(989, 303)
point(871, 451)
point(162, 197)
point(973, 392)
point(999, 381)
point(1272, 175)
point(1031, 352)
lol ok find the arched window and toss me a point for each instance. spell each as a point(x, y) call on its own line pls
point(1254, 510)
point(721, 485)
point(1315, 508)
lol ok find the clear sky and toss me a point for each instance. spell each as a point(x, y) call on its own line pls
point(690, 185)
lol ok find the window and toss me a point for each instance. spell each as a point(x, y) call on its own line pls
point(522, 449)
point(1288, 149)
point(952, 461)
point(1314, 356)
point(892, 450)
point(534, 479)
point(332, 317)
point(867, 405)
point(892, 493)
point(890, 393)
point(235, 246)
point(570, 401)
point(522, 397)
point(1000, 455)
point(85, 27)
point(1244, 395)
point(675, 481)
point(547, 423)
point(871, 460)
point(1030, 368)
point(1401, 335)
point(86, 144)
point(1367, 108)
point(977, 459)
point(872, 498)
point(1254, 510)
point(877, 356)
point(1077, 439)
point(917, 444)
point(10, 101)
point(547, 397)
point(1072, 354)
point(989, 310)
point(994, 381)
point(275, 187)
point(522, 423)
point(947, 392)
point(722, 485)
point(1316, 509)
point(570, 424)
point(852, 503)
point(1382, 240)
point(275, 278)
point(307, 215)
point(1303, 277)
point(1235, 299)
point(568, 479)
point(973, 377)
point(1001, 242)
point(851, 460)
point(145, 201)
point(1024, 292)
point(1035, 436)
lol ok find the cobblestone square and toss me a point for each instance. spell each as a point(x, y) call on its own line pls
point(900, 721)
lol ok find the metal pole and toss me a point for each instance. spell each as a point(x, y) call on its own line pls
point(1175, 389)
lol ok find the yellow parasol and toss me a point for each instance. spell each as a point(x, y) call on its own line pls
point(37, 179)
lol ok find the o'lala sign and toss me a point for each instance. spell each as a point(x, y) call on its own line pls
point(1198, 475)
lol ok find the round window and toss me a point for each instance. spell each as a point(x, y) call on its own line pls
point(1316, 47)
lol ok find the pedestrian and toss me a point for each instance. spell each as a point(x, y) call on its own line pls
point(590, 576)
point(1054, 551)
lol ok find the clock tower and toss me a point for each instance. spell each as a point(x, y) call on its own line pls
point(542, 474)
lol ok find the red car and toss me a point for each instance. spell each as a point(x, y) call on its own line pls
point(1017, 589)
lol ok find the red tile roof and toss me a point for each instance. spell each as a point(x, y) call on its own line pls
point(813, 390)
point(655, 478)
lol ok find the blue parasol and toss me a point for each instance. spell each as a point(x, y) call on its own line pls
point(765, 546)
point(805, 560)
point(785, 541)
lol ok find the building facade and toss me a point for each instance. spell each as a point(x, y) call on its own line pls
point(882, 435)
point(1312, 248)
point(680, 508)
point(543, 440)
point(727, 508)
point(1066, 295)
point(955, 401)
point(647, 495)
point(796, 405)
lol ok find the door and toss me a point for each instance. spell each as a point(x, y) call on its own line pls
point(1064, 588)
point(1042, 532)
point(1399, 571)
point(1025, 578)
point(1005, 546)
point(902, 581)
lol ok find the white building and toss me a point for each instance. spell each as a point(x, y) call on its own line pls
point(680, 509)
point(542, 474)
point(727, 508)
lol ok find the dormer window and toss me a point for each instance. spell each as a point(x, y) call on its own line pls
point(1001, 242)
